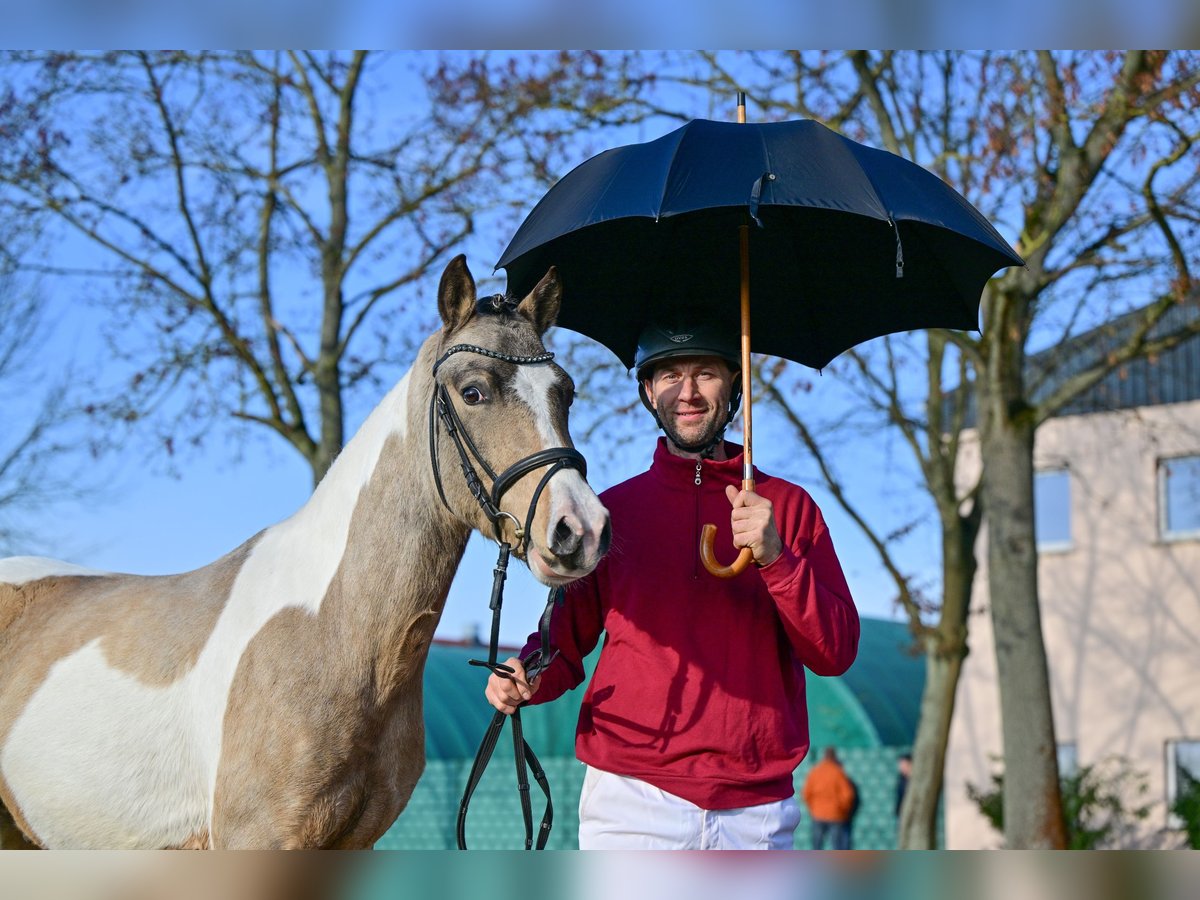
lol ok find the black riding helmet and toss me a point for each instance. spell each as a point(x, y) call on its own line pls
point(687, 338)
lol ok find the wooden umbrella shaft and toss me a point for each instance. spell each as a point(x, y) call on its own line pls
point(708, 532)
point(748, 441)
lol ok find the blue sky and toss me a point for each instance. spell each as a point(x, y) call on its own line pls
point(148, 520)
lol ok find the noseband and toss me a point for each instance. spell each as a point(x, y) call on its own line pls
point(442, 409)
point(557, 458)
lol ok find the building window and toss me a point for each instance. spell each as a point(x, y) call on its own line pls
point(1068, 760)
point(1179, 496)
point(1183, 763)
point(1052, 509)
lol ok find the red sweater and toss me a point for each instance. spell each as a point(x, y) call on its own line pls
point(699, 689)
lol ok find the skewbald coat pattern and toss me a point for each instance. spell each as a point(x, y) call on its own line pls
point(273, 698)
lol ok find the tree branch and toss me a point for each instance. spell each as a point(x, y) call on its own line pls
point(904, 591)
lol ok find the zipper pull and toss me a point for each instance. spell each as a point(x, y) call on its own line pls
point(697, 471)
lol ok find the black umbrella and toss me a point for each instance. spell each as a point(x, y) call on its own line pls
point(834, 241)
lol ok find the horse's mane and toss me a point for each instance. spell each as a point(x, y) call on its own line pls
point(496, 305)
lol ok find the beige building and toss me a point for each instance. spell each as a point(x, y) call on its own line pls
point(1118, 521)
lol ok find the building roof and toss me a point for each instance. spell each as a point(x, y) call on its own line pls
point(875, 704)
point(1172, 376)
point(1169, 377)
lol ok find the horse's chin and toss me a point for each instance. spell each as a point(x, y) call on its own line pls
point(548, 575)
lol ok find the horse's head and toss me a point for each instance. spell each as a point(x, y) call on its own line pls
point(499, 415)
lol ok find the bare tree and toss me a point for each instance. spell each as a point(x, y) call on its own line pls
point(258, 224)
point(1088, 158)
point(232, 172)
point(1140, 114)
point(37, 437)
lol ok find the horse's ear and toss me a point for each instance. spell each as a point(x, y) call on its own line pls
point(541, 306)
point(456, 295)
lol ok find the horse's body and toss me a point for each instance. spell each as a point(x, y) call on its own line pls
point(273, 698)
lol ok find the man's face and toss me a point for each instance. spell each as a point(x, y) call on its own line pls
point(690, 395)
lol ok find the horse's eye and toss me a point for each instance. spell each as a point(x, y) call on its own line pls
point(472, 395)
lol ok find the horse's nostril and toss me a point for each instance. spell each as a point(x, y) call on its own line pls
point(605, 537)
point(565, 540)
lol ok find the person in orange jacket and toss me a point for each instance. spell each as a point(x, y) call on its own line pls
point(831, 798)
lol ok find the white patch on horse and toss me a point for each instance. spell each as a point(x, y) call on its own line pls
point(568, 488)
point(73, 742)
point(291, 565)
point(24, 569)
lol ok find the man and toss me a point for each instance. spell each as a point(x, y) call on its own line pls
point(831, 799)
point(695, 717)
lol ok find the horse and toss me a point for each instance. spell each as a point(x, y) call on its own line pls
point(273, 698)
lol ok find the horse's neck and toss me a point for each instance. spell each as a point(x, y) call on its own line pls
point(374, 542)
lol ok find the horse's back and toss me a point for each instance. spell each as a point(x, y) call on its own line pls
point(22, 569)
point(25, 582)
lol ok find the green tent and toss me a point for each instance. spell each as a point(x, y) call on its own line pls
point(869, 714)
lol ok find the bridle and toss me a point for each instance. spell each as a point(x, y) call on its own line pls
point(441, 410)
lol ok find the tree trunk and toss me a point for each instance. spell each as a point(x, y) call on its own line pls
point(1033, 816)
point(917, 829)
point(945, 650)
point(332, 423)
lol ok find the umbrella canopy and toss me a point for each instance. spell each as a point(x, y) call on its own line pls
point(846, 242)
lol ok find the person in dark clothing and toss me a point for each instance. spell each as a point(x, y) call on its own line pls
point(904, 768)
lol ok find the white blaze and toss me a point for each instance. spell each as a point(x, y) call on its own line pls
point(569, 491)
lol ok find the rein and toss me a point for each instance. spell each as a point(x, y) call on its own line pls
point(441, 410)
point(526, 761)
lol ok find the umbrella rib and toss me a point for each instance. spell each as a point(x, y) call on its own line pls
point(670, 166)
point(767, 156)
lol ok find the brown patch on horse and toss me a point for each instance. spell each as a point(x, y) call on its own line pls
point(327, 755)
point(12, 835)
point(52, 617)
point(198, 841)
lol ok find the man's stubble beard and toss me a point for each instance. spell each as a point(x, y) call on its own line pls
point(715, 425)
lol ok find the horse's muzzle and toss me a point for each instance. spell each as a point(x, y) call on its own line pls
point(572, 549)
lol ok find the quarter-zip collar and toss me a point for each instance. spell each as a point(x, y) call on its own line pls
point(679, 472)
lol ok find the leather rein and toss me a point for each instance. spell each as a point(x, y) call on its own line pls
point(442, 411)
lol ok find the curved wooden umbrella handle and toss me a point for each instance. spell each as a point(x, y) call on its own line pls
point(707, 534)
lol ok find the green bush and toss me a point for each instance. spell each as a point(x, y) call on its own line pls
point(1187, 806)
point(1102, 803)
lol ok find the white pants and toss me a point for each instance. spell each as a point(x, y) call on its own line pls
point(620, 813)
